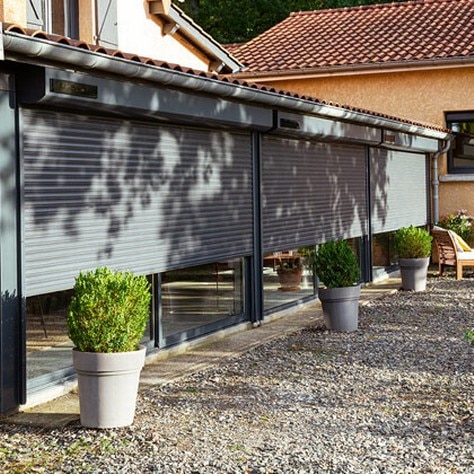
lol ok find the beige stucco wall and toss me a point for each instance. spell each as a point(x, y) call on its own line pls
point(13, 11)
point(140, 33)
point(419, 95)
point(87, 20)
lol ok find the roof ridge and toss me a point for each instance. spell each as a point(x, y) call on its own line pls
point(376, 6)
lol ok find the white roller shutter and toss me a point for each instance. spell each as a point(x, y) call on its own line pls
point(399, 190)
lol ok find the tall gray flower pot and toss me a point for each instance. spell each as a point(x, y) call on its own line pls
point(414, 273)
point(341, 307)
point(108, 386)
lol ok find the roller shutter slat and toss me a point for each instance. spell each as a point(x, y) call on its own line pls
point(130, 195)
point(399, 190)
point(312, 192)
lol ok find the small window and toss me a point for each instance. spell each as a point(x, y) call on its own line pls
point(60, 17)
point(461, 155)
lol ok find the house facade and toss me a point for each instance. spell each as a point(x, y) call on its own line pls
point(153, 28)
point(208, 186)
point(408, 59)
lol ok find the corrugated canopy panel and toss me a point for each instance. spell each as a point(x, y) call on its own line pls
point(399, 190)
point(312, 193)
point(130, 195)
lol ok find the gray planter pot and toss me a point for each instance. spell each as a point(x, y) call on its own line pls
point(414, 272)
point(341, 307)
point(108, 386)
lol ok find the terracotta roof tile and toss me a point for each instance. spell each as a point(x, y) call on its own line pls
point(93, 49)
point(423, 30)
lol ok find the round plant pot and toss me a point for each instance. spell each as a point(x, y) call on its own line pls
point(290, 279)
point(414, 272)
point(341, 307)
point(108, 386)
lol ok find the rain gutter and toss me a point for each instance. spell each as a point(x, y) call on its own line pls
point(17, 46)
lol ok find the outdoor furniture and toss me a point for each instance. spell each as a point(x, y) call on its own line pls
point(451, 253)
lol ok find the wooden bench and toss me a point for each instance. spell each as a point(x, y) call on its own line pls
point(448, 253)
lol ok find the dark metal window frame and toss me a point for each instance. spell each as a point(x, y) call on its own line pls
point(453, 117)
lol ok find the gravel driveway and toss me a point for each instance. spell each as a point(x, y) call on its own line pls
point(395, 397)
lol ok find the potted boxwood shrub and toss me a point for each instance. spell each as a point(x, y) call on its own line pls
point(106, 321)
point(413, 247)
point(337, 268)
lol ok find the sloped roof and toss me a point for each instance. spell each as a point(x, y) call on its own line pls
point(394, 34)
point(187, 28)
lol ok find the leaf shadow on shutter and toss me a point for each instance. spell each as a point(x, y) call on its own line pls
point(312, 193)
point(399, 189)
point(130, 195)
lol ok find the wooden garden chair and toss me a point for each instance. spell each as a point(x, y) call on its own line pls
point(452, 251)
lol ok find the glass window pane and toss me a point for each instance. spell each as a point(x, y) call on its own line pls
point(202, 295)
point(48, 346)
point(384, 259)
point(287, 278)
point(461, 154)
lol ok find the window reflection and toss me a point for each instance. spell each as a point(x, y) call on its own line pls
point(201, 296)
point(48, 347)
point(383, 255)
point(461, 154)
point(287, 277)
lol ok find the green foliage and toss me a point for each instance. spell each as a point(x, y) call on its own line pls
point(308, 254)
point(336, 264)
point(469, 334)
point(413, 242)
point(460, 223)
point(235, 21)
point(109, 311)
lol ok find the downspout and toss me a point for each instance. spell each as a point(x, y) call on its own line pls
point(435, 181)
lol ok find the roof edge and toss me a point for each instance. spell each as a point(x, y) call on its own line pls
point(19, 46)
point(347, 70)
point(193, 33)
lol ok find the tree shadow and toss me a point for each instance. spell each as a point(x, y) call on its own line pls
point(150, 197)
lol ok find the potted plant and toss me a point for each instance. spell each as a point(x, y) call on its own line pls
point(106, 321)
point(338, 269)
point(290, 273)
point(413, 247)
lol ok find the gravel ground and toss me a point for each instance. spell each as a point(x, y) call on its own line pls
point(397, 396)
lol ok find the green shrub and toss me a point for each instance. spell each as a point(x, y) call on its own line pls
point(336, 264)
point(109, 311)
point(469, 334)
point(460, 223)
point(413, 242)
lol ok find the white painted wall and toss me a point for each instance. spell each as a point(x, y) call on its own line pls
point(139, 34)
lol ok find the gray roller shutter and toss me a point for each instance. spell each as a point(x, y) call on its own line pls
point(131, 196)
point(399, 190)
point(312, 193)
